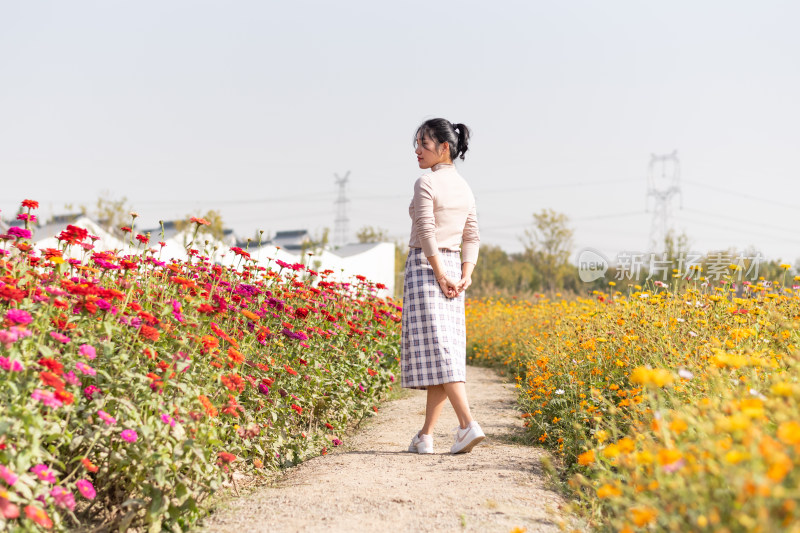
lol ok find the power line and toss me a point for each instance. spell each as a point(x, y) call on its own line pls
point(727, 228)
point(740, 194)
point(739, 221)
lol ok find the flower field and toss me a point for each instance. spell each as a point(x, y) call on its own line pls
point(673, 408)
point(132, 387)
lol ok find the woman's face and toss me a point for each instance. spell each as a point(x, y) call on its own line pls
point(428, 154)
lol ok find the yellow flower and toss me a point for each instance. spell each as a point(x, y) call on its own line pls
point(611, 451)
point(735, 456)
point(653, 377)
point(782, 389)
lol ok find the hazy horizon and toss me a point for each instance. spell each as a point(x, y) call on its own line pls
point(251, 108)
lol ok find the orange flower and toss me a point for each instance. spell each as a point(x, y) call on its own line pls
point(251, 315)
point(235, 355)
point(209, 342)
point(39, 516)
point(641, 516)
point(586, 458)
point(608, 491)
point(149, 333)
point(90, 466)
point(208, 407)
point(233, 382)
point(789, 432)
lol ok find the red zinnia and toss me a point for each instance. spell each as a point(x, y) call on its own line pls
point(91, 467)
point(30, 204)
point(51, 380)
point(225, 458)
point(51, 364)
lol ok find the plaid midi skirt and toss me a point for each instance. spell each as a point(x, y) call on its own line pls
point(434, 336)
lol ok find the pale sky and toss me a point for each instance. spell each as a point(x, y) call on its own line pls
point(250, 107)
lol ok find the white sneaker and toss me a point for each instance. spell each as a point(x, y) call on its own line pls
point(421, 444)
point(468, 438)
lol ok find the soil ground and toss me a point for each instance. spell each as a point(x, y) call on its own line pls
point(372, 483)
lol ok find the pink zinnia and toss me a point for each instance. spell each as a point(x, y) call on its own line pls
point(86, 369)
point(71, 378)
point(46, 397)
point(129, 435)
point(19, 316)
point(63, 498)
point(8, 476)
point(168, 420)
point(88, 351)
point(10, 366)
point(86, 489)
point(59, 337)
point(44, 473)
point(107, 418)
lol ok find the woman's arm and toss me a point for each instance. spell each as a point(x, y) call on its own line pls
point(466, 277)
point(449, 287)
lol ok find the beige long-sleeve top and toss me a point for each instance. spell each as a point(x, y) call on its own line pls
point(443, 214)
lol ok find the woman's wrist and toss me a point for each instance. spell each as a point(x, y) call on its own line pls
point(440, 278)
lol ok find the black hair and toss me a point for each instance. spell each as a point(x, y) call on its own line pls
point(440, 130)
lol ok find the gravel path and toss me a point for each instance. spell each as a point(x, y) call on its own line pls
point(373, 484)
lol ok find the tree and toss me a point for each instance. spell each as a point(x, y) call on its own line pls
point(110, 212)
point(548, 245)
point(372, 234)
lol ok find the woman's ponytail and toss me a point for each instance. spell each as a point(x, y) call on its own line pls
point(463, 140)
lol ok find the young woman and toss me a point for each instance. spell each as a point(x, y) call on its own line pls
point(443, 217)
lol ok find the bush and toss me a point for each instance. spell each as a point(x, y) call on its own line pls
point(133, 386)
point(671, 409)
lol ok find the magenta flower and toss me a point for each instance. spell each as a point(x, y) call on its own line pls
point(88, 351)
point(105, 417)
point(168, 420)
point(129, 435)
point(71, 378)
point(90, 391)
point(47, 398)
point(337, 442)
point(10, 366)
point(21, 233)
point(86, 369)
point(8, 476)
point(18, 316)
point(44, 473)
point(59, 337)
point(63, 498)
point(86, 489)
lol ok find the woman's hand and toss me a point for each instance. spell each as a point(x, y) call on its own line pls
point(448, 286)
point(464, 284)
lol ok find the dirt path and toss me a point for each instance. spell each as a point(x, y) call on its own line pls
point(373, 484)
